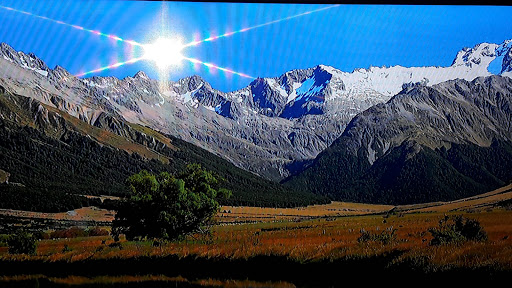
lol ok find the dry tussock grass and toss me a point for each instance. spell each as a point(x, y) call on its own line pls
point(301, 235)
point(230, 214)
point(311, 240)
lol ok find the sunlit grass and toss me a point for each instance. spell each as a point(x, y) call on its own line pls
point(312, 240)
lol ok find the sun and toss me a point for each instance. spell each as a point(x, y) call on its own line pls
point(165, 52)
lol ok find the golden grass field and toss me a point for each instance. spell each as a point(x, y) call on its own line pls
point(320, 233)
point(259, 214)
point(126, 279)
point(306, 240)
point(82, 214)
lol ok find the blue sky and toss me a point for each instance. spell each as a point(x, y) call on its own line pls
point(345, 37)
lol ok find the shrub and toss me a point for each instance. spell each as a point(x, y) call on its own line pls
point(3, 240)
point(41, 235)
point(453, 229)
point(116, 245)
point(22, 243)
point(96, 231)
point(72, 232)
point(66, 249)
point(385, 237)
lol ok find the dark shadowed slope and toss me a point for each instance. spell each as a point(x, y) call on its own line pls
point(46, 149)
point(444, 142)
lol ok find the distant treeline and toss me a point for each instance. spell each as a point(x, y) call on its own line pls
point(76, 164)
point(20, 198)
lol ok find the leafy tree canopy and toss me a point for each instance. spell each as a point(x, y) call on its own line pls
point(168, 207)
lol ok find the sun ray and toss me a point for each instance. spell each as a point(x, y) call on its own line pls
point(134, 60)
point(209, 39)
point(210, 65)
point(193, 43)
point(96, 32)
point(112, 66)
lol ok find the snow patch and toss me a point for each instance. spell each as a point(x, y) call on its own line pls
point(187, 97)
point(42, 72)
point(92, 84)
point(333, 71)
point(218, 109)
point(7, 58)
point(508, 74)
point(26, 66)
point(371, 155)
point(293, 95)
point(273, 83)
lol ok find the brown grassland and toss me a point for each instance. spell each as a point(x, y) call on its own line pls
point(266, 239)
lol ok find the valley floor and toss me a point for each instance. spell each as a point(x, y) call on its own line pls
point(317, 246)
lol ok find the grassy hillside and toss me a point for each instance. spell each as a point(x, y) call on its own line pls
point(26, 112)
point(79, 161)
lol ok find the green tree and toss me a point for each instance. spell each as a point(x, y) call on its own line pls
point(168, 207)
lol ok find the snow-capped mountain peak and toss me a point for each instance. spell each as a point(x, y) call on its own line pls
point(262, 127)
point(141, 75)
point(27, 61)
point(481, 54)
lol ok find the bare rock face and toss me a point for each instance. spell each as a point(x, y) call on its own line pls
point(456, 111)
point(268, 127)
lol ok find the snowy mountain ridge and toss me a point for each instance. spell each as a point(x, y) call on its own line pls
point(268, 127)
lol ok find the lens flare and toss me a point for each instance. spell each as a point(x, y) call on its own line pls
point(210, 65)
point(112, 66)
point(96, 32)
point(134, 60)
point(195, 43)
point(165, 52)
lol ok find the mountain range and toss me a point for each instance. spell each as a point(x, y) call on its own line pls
point(274, 127)
point(355, 122)
point(52, 155)
point(428, 143)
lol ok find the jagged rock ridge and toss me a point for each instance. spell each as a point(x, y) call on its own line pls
point(266, 127)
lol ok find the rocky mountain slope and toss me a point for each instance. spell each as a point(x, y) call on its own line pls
point(49, 151)
point(271, 127)
point(427, 143)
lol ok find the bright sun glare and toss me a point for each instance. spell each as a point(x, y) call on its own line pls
point(165, 52)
